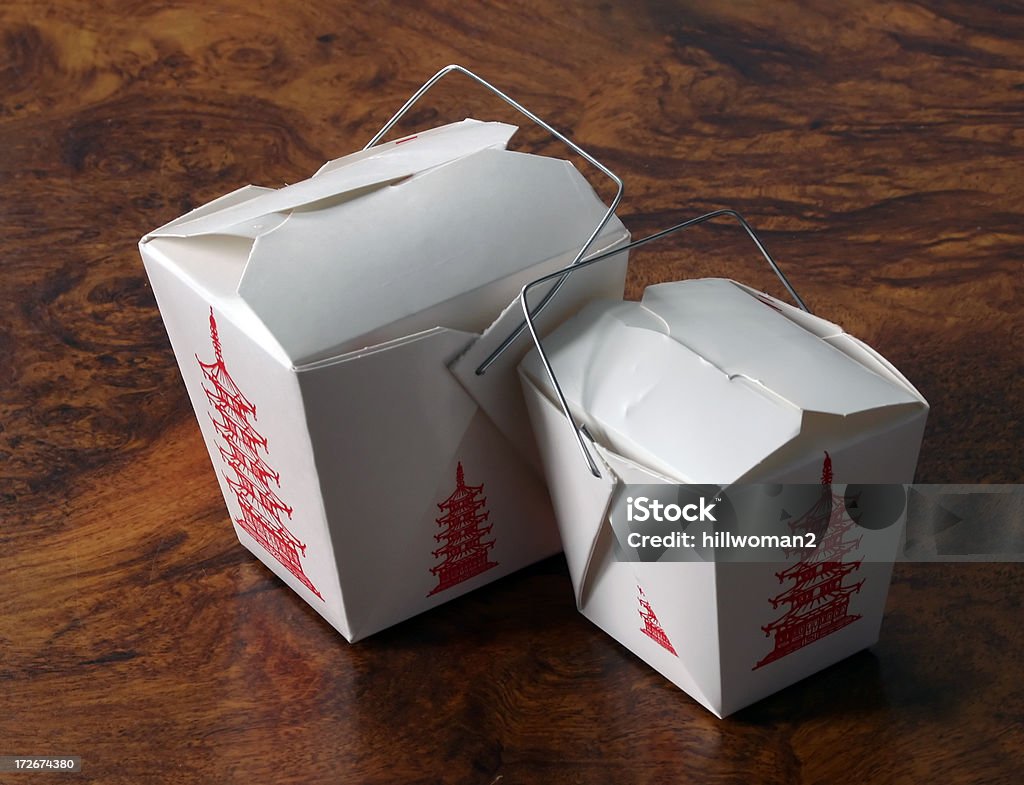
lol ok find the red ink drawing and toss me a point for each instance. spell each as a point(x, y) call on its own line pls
point(652, 627)
point(819, 599)
point(770, 303)
point(263, 511)
point(464, 552)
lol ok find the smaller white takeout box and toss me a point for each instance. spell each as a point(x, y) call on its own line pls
point(328, 334)
point(711, 382)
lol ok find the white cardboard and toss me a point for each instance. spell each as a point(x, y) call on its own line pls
point(711, 382)
point(342, 306)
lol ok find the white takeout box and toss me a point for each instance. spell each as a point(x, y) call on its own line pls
point(328, 334)
point(711, 382)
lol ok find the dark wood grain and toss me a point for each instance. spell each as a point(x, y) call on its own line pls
point(879, 146)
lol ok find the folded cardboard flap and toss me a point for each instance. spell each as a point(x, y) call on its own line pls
point(353, 173)
point(644, 395)
point(700, 363)
point(440, 229)
point(433, 147)
point(240, 195)
point(212, 244)
point(745, 333)
point(441, 237)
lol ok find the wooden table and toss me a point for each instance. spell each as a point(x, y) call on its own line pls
point(879, 147)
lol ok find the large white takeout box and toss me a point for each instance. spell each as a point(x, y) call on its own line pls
point(711, 382)
point(328, 334)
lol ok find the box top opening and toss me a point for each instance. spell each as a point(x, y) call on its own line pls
point(384, 238)
point(704, 379)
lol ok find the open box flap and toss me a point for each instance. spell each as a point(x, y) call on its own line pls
point(434, 146)
point(240, 195)
point(746, 335)
point(376, 166)
point(833, 334)
point(328, 280)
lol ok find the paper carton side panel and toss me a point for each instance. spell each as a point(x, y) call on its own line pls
point(745, 591)
point(250, 414)
point(845, 615)
point(580, 500)
point(612, 593)
point(678, 602)
point(663, 613)
point(411, 529)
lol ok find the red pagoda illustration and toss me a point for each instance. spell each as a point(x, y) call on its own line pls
point(263, 511)
point(652, 628)
point(464, 552)
point(819, 599)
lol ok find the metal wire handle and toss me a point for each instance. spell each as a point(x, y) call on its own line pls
point(558, 135)
point(577, 430)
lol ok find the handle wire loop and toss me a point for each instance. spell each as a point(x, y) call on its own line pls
point(578, 431)
point(562, 274)
point(529, 315)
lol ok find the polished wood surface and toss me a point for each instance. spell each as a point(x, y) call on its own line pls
point(878, 146)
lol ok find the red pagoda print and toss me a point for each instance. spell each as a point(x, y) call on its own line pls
point(652, 628)
point(251, 479)
point(464, 553)
point(818, 601)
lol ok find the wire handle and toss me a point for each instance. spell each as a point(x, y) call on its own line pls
point(558, 135)
point(577, 430)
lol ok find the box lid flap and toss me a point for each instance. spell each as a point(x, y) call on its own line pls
point(703, 380)
point(333, 279)
point(745, 334)
point(376, 166)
